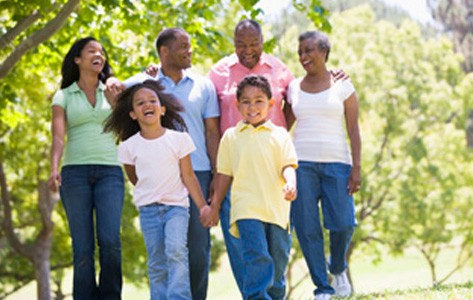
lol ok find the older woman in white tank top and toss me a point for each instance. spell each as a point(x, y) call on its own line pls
point(329, 170)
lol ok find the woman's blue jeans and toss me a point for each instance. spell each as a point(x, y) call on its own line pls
point(325, 184)
point(92, 196)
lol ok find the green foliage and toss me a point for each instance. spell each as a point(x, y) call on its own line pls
point(414, 100)
point(127, 30)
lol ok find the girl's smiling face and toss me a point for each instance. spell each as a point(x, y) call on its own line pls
point(147, 109)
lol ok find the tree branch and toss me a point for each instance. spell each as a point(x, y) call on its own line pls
point(38, 37)
point(7, 223)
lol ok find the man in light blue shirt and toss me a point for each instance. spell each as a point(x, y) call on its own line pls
point(198, 96)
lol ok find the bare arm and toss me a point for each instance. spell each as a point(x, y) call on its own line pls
point(58, 129)
point(290, 188)
point(353, 130)
point(190, 181)
point(289, 115)
point(212, 138)
point(131, 174)
point(192, 184)
point(222, 184)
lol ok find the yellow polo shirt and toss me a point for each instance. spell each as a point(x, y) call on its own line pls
point(255, 158)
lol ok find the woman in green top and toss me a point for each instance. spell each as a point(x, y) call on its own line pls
point(91, 181)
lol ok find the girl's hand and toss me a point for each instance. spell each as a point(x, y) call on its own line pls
point(206, 216)
point(290, 192)
point(152, 70)
point(54, 181)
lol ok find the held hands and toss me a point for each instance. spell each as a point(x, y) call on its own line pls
point(209, 216)
point(290, 192)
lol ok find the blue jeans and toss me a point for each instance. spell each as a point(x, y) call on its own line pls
point(326, 183)
point(164, 230)
point(199, 243)
point(232, 244)
point(266, 252)
point(85, 190)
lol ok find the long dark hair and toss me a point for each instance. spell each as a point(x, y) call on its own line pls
point(123, 126)
point(70, 70)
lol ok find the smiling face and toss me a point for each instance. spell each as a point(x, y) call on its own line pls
point(310, 55)
point(92, 58)
point(147, 109)
point(179, 52)
point(248, 44)
point(254, 105)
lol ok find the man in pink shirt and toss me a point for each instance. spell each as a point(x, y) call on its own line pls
point(248, 58)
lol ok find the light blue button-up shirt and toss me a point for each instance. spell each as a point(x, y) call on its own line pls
point(197, 95)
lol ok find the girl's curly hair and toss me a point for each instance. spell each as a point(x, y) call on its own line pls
point(123, 126)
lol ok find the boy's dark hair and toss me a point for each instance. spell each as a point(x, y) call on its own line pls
point(166, 36)
point(70, 70)
point(123, 126)
point(258, 81)
point(320, 38)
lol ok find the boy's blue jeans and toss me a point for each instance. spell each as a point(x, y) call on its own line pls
point(265, 252)
point(232, 244)
point(87, 190)
point(164, 230)
point(327, 184)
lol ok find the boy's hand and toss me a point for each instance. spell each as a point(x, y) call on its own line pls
point(290, 192)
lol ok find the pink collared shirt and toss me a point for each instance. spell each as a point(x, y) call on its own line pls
point(228, 72)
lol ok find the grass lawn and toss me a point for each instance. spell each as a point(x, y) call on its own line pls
point(395, 278)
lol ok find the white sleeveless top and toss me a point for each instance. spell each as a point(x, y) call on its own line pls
point(319, 133)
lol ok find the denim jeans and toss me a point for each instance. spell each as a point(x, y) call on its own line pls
point(232, 244)
point(85, 190)
point(164, 230)
point(327, 184)
point(266, 252)
point(198, 239)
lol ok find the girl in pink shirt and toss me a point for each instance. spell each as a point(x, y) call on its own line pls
point(157, 161)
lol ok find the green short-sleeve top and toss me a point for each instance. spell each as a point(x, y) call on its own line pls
point(86, 144)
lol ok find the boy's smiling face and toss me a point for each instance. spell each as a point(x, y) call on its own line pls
point(254, 105)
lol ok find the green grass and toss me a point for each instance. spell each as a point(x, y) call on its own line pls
point(395, 278)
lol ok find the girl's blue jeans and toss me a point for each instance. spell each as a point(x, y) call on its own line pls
point(164, 230)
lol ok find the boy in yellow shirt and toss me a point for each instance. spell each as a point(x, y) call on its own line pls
point(258, 159)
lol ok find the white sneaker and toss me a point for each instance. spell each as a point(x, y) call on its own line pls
point(323, 297)
point(341, 284)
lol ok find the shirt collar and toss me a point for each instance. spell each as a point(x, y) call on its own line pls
point(242, 126)
point(263, 60)
point(73, 88)
point(187, 74)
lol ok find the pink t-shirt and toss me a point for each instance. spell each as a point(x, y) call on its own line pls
point(156, 164)
point(228, 72)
